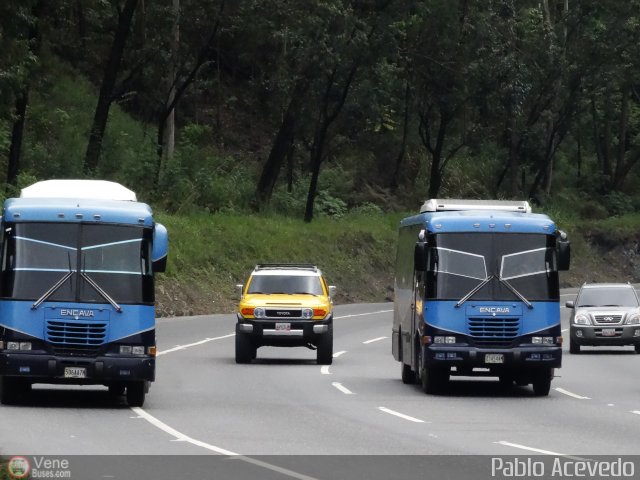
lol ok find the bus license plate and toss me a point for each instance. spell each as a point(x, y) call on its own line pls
point(494, 358)
point(283, 327)
point(75, 372)
point(608, 332)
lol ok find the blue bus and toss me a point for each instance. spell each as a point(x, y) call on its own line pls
point(77, 264)
point(477, 293)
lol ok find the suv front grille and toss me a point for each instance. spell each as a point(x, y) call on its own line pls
point(283, 313)
point(608, 319)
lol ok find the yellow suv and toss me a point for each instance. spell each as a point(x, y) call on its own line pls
point(285, 305)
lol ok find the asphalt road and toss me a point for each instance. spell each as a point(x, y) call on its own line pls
point(285, 404)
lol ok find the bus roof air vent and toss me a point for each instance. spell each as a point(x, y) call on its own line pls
point(442, 205)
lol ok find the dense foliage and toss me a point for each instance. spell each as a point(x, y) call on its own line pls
point(320, 108)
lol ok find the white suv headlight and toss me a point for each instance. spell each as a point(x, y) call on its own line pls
point(259, 312)
point(307, 313)
point(633, 319)
point(581, 319)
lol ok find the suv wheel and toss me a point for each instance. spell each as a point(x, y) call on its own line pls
point(324, 352)
point(245, 351)
point(574, 347)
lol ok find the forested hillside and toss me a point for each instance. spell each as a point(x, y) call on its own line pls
point(320, 107)
point(327, 108)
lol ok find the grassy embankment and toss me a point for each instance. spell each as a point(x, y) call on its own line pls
point(210, 253)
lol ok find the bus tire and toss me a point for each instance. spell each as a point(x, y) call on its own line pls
point(116, 389)
point(542, 382)
point(244, 353)
point(324, 352)
point(433, 380)
point(136, 393)
point(408, 375)
point(637, 347)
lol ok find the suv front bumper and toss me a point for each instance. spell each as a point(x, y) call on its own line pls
point(292, 333)
point(592, 335)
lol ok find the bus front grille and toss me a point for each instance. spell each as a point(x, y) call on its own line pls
point(77, 335)
point(493, 331)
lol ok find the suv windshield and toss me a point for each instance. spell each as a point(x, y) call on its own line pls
point(607, 297)
point(287, 284)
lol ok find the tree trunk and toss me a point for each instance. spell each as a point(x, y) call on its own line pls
point(281, 146)
point(17, 133)
point(105, 98)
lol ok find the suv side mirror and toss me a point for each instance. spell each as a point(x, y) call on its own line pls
point(332, 291)
point(570, 304)
point(240, 288)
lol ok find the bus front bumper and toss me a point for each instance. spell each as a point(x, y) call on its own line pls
point(45, 368)
point(494, 358)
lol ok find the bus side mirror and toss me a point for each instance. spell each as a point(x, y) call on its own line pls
point(564, 251)
point(420, 257)
point(160, 248)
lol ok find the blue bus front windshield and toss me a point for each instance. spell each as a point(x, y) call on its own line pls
point(35, 256)
point(459, 262)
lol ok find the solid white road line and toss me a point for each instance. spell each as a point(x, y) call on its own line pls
point(565, 330)
point(235, 456)
point(183, 347)
point(325, 370)
point(574, 395)
point(342, 388)
point(531, 449)
point(374, 340)
point(637, 412)
point(401, 415)
point(363, 314)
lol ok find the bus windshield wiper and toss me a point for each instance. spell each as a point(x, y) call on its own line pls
point(474, 291)
point(54, 288)
point(516, 292)
point(104, 294)
point(51, 291)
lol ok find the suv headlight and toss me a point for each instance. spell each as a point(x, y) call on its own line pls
point(633, 319)
point(307, 313)
point(259, 312)
point(581, 319)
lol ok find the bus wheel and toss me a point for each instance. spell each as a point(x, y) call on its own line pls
point(433, 379)
point(136, 392)
point(542, 382)
point(116, 389)
point(408, 375)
